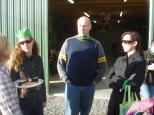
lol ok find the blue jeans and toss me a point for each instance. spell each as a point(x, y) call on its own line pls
point(78, 99)
point(147, 91)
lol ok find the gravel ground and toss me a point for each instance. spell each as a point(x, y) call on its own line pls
point(55, 106)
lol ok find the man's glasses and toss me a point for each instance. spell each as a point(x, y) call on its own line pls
point(25, 42)
point(127, 41)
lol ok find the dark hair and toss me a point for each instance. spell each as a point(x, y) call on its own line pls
point(3, 56)
point(135, 36)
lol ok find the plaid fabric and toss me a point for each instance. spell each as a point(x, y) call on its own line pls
point(9, 104)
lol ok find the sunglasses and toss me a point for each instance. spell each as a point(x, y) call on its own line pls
point(127, 41)
point(25, 42)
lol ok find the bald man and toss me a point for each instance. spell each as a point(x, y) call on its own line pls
point(81, 65)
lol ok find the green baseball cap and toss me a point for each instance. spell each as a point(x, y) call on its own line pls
point(25, 32)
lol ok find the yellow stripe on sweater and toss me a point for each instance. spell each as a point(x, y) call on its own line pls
point(62, 56)
point(101, 59)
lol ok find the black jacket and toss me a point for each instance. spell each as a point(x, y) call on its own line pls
point(149, 75)
point(31, 67)
point(131, 68)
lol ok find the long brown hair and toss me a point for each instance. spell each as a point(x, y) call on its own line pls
point(135, 36)
point(3, 41)
point(18, 56)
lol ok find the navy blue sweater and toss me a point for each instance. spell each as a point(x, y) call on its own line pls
point(80, 61)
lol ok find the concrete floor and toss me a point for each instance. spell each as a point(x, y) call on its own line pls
point(56, 88)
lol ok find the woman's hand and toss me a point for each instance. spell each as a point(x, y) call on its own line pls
point(23, 91)
point(151, 67)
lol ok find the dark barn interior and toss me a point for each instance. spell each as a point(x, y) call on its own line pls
point(110, 18)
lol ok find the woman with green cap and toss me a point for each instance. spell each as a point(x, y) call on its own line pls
point(25, 63)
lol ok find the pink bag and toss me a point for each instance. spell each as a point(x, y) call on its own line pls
point(145, 105)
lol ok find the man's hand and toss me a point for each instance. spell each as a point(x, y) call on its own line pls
point(94, 82)
point(44, 104)
point(67, 81)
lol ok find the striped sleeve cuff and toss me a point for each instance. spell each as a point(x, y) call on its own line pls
point(63, 56)
point(101, 59)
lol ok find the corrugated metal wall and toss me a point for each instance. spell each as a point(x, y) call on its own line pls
point(16, 14)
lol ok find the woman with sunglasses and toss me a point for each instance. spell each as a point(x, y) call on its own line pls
point(129, 68)
point(26, 64)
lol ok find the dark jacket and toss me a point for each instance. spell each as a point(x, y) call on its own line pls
point(131, 68)
point(31, 67)
point(149, 75)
